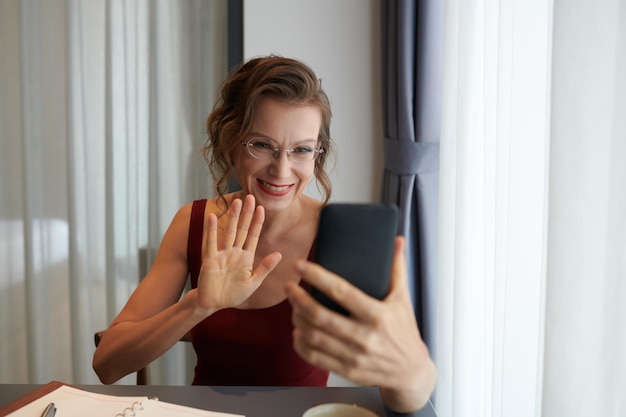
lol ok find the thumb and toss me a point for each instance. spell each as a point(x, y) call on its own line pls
point(266, 265)
point(399, 280)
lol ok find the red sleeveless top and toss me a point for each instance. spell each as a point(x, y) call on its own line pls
point(245, 347)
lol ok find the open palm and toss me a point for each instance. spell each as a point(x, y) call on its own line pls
point(227, 276)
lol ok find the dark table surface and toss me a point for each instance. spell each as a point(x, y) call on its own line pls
point(250, 401)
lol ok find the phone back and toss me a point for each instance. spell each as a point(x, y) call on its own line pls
point(356, 241)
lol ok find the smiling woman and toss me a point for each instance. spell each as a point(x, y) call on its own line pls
point(251, 318)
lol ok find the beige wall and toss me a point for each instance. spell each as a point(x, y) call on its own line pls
point(340, 41)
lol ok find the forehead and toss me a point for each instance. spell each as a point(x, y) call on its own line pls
point(283, 121)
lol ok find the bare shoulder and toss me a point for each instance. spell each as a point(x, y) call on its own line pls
point(174, 243)
point(181, 218)
point(178, 230)
point(183, 215)
point(220, 206)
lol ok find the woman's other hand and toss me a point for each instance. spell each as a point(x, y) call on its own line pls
point(378, 344)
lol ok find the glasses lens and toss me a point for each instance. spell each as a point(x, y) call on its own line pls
point(302, 153)
point(260, 149)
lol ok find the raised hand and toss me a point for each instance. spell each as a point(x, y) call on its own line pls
point(227, 275)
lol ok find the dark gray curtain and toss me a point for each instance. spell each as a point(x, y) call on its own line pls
point(412, 37)
point(235, 55)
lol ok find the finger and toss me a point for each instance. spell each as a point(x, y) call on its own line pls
point(351, 367)
point(341, 342)
point(398, 281)
point(209, 234)
point(311, 350)
point(231, 227)
point(255, 229)
point(345, 352)
point(244, 221)
point(360, 305)
point(326, 327)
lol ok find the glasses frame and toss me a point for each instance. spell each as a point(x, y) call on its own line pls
point(277, 151)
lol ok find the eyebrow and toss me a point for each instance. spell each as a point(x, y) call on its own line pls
point(264, 136)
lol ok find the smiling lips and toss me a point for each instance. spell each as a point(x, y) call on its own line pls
point(274, 189)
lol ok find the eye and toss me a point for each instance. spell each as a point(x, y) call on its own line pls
point(262, 145)
point(302, 149)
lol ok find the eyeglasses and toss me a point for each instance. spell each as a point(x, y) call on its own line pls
point(260, 148)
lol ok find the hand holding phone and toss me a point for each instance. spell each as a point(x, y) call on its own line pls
point(356, 242)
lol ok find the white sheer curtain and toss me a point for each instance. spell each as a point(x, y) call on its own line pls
point(103, 106)
point(532, 264)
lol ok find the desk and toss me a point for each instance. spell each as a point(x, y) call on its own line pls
point(250, 401)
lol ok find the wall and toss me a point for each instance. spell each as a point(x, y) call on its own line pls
point(340, 41)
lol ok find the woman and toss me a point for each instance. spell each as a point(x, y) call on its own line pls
point(251, 319)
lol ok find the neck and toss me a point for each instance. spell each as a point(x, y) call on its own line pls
point(284, 220)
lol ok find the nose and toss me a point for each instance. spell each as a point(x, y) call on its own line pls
point(278, 152)
point(281, 164)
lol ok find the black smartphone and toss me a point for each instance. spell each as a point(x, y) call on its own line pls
point(356, 241)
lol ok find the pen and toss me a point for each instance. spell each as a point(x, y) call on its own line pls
point(50, 411)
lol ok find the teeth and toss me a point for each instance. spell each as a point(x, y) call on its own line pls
point(273, 187)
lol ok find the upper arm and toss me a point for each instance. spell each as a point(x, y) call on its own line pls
point(165, 281)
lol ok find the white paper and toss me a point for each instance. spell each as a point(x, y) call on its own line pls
point(74, 402)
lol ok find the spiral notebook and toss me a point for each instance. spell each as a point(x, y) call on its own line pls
point(74, 402)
